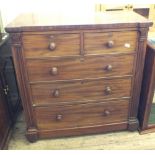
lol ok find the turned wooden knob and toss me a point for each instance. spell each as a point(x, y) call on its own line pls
point(108, 90)
point(109, 68)
point(106, 112)
point(52, 46)
point(59, 117)
point(56, 93)
point(54, 71)
point(110, 44)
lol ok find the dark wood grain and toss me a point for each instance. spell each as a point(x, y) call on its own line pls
point(38, 45)
point(137, 83)
point(84, 130)
point(81, 67)
point(22, 79)
point(81, 90)
point(122, 42)
point(81, 115)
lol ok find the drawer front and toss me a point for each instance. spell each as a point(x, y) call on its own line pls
point(80, 115)
point(87, 67)
point(117, 42)
point(53, 93)
point(47, 45)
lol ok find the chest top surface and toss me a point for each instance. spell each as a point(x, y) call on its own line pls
point(48, 21)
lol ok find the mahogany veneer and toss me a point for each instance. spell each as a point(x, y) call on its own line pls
point(79, 75)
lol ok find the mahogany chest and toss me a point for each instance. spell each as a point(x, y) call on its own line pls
point(79, 74)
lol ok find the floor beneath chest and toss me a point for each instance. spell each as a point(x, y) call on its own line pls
point(110, 141)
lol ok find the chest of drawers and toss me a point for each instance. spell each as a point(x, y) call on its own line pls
point(79, 76)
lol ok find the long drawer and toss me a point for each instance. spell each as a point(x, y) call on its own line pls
point(81, 115)
point(83, 90)
point(51, 45)
point(117, 42)
point(86, 67)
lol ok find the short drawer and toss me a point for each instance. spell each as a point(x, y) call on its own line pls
point(81, 115)
point(57, 92)
point(86, 67)
point(51, 45)
point(110, 42)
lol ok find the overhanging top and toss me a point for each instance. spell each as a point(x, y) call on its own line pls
point(47, 21)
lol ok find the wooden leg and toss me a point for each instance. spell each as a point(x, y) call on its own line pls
point(133, 124)
point(32, 135)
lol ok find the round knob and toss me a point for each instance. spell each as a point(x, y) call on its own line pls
point(109, 68)
point(106, 112)
point(56, 93)
point(108, 90)
point(54, 71)
point(110, 44)
point(59, 117)
point(52, 46)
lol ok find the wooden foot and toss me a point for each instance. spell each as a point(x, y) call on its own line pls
point(32, 135)
point(133, 124)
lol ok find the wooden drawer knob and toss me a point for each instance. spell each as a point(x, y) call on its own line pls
point(52, 46)
point(54, 71)
point(108, 90)
point(106, 112)
point(56, 93)
point(108, 68)
point(59, 117)
point(110, 44)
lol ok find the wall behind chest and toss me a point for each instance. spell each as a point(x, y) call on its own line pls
point(9, 12)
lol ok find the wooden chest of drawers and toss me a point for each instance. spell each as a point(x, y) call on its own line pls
point(79, 78)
